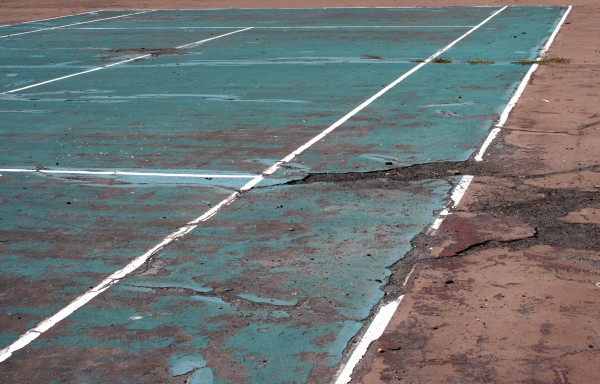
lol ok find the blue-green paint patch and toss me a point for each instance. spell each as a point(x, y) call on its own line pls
point(202, 376)
point(280, 315)
point(182, 363)
point(209, 299)
point(60, 239)
point(174, 284)
point(274, 353)
point(50, 54)
point(337, 275)
point(267, 300)
point(7, 338)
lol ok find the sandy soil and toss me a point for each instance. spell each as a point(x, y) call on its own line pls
point(507, 291)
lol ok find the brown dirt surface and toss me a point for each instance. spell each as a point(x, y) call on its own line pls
point(515, 300)
point(496, 316)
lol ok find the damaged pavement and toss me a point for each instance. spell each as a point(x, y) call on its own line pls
point(285, 298)
point(507, 290)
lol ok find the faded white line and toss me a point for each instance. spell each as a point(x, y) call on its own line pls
point(520, 89)
point(292, 27)
point(299, 8)
point(407, 278)
point(195, 43)
point(50, 18)
point(70, 25)
point(373, 333)
point(456, 197)
point(124, 173)
point(114, 278)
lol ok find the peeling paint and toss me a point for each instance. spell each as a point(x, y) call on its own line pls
point(274, 288)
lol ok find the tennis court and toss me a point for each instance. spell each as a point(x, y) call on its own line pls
point(159, 222)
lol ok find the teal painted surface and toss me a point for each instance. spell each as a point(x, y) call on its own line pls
point(508, 38)
point(59, 237)
point(202, 376)
point(288, 85)
point(281, 301)
point(30, 59)
point(236, 101)
point(218, 119)
point(180, 364)
point(444, 111)
point(274, 287)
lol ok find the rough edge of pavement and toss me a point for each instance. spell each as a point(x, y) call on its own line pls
point(506, 291)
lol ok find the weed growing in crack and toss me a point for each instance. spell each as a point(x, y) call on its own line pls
point(544, 61)
point(440, 60)
point(481, 62)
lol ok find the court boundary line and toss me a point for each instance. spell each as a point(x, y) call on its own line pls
point(123, 173)
point(95, 69)
point(70, 25)
point(374, 332)
point(60, 17)
point(215, 9)
point(520, 89)
point(458, 193)
point(291, 27)
point(43, 326)
point(309, 8)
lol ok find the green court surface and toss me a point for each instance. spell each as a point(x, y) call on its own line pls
point(119, 127)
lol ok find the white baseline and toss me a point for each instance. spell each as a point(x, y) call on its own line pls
point(71, 25)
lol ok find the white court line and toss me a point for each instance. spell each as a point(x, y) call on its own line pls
point(456, 197)
point(124, 173)
point(70, 25)
point(299, 8)
point(520, 89)
point(292, 27)
point(385, 313)
point(119, 63)
point(114, 278)
point(276, 166)
point(373, 333)
point(49, 18)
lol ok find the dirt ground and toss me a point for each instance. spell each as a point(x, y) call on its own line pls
point(508, 290)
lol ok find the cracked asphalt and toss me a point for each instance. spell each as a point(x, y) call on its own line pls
point(504, 292)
